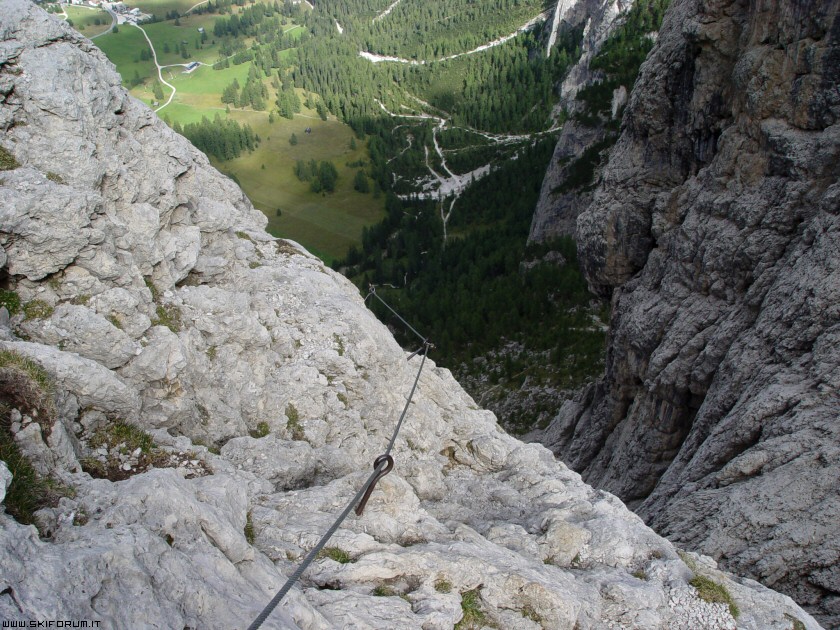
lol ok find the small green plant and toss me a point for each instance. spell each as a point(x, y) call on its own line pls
point(261, 431)
point(342, 397)
point(127, 439)
point(152, 288)
point(244, 235)
point(37, 309)
point(640, 574)
point(81, 300)
point(115, 322)
point(120, 432)
point(797, 625)
point(529, 613)
point(335, 553)
point(28, 491)
point(211, 352)
point(293, 423)
point(340, 344)
point(7, 160)
point(443, 586)
point(473, 617)
point(25, 385)
point(383, 590)
point(55, 177)
point(168, 316)
point(10, 300)
point(209, 446)
point(254, 264)
point(710, 591)
point(80, 517)
point(250, 536)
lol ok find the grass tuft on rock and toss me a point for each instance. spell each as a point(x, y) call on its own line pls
point(7, 160)
point(37, 309)
point(335, 553)
point(250, 535)
point(443, 586)
point(261, 431)
point(472, 618)
point(715, 593)
point(168, 316)
point(10, 300)
point(293, 423)
point(383, 590)
point(26, 387)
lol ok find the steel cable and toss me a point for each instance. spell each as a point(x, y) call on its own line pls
point(382, 466)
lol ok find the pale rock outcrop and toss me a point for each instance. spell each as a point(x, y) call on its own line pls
point(715, 230)
point(5, 480)
point(250, 348)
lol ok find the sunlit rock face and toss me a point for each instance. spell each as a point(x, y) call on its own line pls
point(715, 232)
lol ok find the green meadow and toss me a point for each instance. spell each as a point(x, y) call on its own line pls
point(84, 20)
point(123, 49)
point(168, 39)
point(328, 223)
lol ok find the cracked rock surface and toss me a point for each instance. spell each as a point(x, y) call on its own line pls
point(716, 230)
point(218, 396)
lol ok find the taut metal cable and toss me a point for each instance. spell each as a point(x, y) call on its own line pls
point(397, 315)
point(382, 465)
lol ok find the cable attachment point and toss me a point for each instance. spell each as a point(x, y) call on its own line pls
point(424, 349)
point(376, 463)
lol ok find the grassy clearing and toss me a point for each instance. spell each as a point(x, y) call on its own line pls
point(326, 224)
point(122, 48)
point(166, 36)
point(84, 20)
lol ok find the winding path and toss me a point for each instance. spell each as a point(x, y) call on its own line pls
point(159, 69)
point(110, 28)
point(197, 4)
point(81, 6)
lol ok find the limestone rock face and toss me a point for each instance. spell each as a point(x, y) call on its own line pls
point(715, 230)
point(224, 395)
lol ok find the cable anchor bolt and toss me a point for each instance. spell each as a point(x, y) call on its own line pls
point(376, 463)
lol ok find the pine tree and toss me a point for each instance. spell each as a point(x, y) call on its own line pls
point(360, 182)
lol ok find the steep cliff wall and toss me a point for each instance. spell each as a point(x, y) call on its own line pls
point(214, 396)
point(560, 203)
point(716, 232)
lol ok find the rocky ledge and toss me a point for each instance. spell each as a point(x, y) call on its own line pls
point(205, 398)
